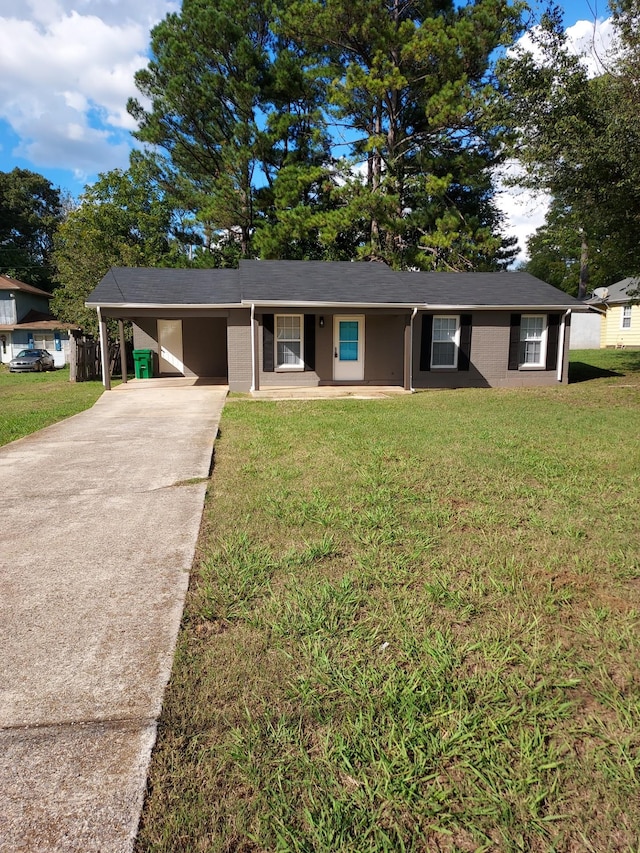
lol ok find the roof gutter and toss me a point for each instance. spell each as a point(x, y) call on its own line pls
point(288, 303)
point(164, 305)
point(341, 306)
point(522, 307)
point(409, 306)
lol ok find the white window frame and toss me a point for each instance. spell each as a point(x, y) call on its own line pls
point(542, 340)
point(456, 341)
point(625, 317)
point(286, 367)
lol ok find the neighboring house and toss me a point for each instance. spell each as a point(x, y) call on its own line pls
point(620, 325)
point(309, 323)
point(25, 322)
point(586, 329)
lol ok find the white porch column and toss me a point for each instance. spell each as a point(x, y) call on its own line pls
point(104, 351)
point(123, 351)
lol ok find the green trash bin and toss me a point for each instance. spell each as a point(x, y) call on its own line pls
point(143, 363)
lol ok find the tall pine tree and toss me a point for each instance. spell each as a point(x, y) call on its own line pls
point(327, 128)
point(408, 84)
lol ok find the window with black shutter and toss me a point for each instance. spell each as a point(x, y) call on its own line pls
point(267, 343)
point(464, 355)
point(425, 342)
point(309, 341)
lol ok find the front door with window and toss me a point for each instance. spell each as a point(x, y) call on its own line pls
point(348, 349)
point(170, 346)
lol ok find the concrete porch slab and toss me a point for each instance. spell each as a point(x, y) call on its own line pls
point(330, 392)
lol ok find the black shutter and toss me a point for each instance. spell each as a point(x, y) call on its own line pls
point(553, 331)
point(267, 343)
point(514, 342)
point(464, 352)
point(425, 342)
point(309, 341)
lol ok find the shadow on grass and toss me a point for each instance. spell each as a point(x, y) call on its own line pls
point(579, 371)
point(608, 363)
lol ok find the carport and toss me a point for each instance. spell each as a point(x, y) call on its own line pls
point(182, 343)
point(186, 321)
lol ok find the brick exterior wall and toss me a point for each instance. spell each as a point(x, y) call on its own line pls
point(489, 358)
point(239, 349)
point(383, 350)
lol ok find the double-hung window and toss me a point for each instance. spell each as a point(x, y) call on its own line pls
point(8, 311)
point(625, 322)
point(532, 340)
point(289, 342)
point(445, 341)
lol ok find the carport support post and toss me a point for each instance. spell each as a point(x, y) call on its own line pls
point(104, 351)
point(123, 351)
point(408, 350)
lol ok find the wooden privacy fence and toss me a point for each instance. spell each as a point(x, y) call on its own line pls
point(85, 361)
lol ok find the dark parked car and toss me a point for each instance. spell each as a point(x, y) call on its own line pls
point(32, 359)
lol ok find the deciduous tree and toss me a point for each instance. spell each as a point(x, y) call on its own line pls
point(124, 219)
point(578, 138)
point(31, 209)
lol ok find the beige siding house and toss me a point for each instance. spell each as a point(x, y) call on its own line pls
point(310, 323)
point(620, 325)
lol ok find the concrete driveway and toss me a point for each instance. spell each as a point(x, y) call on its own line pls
point(99, 521)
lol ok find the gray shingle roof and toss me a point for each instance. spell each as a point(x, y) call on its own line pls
point(489, 289)
point(324, 283)
point(328, 282)
point(618, 292)
point(154, 286)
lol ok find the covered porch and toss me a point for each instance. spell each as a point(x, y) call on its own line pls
point(331, 347)
point(184, 345)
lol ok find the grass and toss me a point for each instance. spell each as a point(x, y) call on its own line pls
point(31, 401)
point(413, 626)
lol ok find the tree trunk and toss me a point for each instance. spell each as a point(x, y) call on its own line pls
point(376, 177)
point(583, 282)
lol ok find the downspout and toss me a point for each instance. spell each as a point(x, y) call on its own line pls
point(561, 345)
point(413, 314)
point(253, 348)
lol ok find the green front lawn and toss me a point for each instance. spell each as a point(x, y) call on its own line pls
point(413, 625)
point(30, 401)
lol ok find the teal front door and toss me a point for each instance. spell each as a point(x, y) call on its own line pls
point(348, 348)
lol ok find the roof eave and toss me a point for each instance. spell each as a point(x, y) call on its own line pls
point(281, 303)
point(422, 306)
point(163, 305)
point(278, 303)
point(458, 306)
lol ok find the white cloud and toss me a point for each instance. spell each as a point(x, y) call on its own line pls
point(66, 72)
point(523, 209)
point(593, 41)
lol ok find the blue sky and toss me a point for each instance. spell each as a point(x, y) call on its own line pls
point(66, 72)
